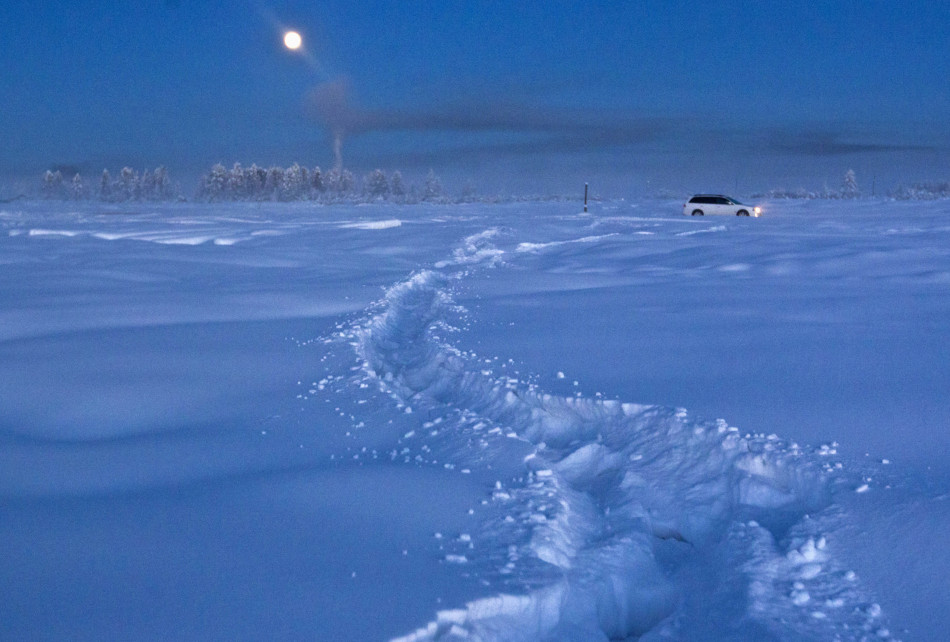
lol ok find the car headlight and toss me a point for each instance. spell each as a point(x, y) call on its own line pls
point(758, 211)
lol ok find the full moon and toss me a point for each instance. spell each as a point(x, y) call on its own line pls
point(292, 40)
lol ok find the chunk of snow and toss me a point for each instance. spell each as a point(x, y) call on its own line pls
point(800, 598)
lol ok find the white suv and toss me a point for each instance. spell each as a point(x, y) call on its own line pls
point(718, 204)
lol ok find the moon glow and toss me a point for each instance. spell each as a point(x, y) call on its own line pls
point(292, 40)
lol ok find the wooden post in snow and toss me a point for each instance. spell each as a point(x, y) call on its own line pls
point(585, 197)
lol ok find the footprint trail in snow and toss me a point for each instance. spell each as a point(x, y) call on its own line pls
point(627, 520)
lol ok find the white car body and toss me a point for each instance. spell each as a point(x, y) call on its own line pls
point(702, 204)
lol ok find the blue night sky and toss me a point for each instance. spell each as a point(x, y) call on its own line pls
point(638, 95)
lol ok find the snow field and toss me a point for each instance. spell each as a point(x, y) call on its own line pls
point(263, 443)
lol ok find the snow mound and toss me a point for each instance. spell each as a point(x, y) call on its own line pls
point(715, 228)
point(622, 506)
point(534, 247)
point(373, 225)
point(162, 237)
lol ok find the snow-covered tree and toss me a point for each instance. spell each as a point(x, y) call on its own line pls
point(163, 185)
point(317, 181)
point(254, 179)
point(275, 176)
point(53, 184)
point(105, 186)
point(293, 184)
point(376, 184)
point(237, 183)
point(347, 181)
point(396, 184)
point(128, 184)
point(147, 186)
point(849, 186)
point(214, 185)
point(333, 181)
point(433, 187)
point(340, 182)
point(77, 191)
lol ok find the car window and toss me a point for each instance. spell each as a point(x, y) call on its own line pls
point(722, 201)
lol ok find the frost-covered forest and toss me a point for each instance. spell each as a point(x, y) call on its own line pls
point(127, 185)
point(253, 183)
point(849, 188)
point(298, 183)
point(337, 185)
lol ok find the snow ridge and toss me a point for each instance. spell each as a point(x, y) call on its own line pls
point(627, 510)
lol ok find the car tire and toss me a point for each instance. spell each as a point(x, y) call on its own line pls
point(742, 213)
point(697, 212)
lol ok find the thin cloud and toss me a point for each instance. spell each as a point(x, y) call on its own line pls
point(531, 130)
point(331, 105)
point(823, 143)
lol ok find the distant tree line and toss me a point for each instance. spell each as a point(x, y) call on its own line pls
point(298, 183)
point(849, 189)
point(259, 184)
point(923, 191)
point(295, 183)
point(128, 185)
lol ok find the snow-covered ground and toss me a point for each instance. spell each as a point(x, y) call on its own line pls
point(474, 422)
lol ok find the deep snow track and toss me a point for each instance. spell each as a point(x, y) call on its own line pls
point(629, 520)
